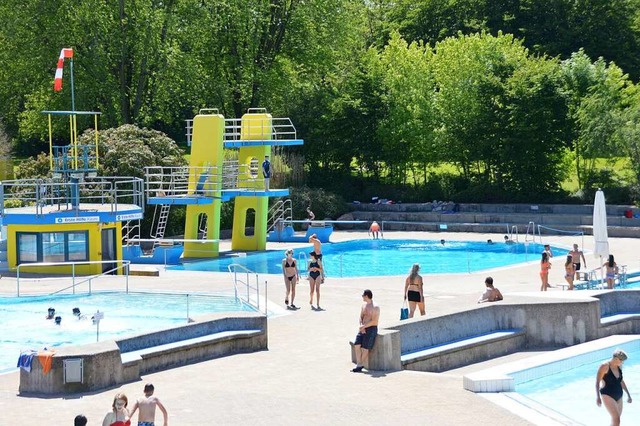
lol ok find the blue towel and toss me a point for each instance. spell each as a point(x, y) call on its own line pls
point(25, 359)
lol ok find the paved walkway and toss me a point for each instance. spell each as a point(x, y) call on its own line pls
point(304, 376)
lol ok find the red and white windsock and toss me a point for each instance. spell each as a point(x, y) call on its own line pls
point(64, 53)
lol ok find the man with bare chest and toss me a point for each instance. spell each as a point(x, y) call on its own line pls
point(366, 337)
point(147, 407)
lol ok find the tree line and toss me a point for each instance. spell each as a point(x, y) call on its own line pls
point(466, 99)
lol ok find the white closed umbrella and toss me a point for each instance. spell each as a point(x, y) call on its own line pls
point(600, 234)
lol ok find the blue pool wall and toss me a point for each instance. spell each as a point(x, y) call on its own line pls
point(103, 366)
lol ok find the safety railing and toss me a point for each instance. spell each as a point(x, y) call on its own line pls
point(205, 181)
point(120, 265)
point(42, 194)
point(275, 128)
point(249, 280)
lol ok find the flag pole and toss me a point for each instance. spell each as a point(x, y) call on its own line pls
point(73, 97)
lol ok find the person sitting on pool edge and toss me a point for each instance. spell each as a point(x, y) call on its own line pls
point(491, 293)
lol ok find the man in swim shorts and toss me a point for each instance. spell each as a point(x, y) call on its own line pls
point(366, 337)
point(576, 254)
point(147, 406)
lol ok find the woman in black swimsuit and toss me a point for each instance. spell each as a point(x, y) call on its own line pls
point(315, 279)
point(610, 384)
point(413, 291)
point(291, 277)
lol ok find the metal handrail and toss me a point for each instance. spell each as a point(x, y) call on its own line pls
point(124, 265)
point(56, 192)
point(233, 270)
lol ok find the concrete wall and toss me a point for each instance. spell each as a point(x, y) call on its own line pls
point(103, 365)
point(546, 325)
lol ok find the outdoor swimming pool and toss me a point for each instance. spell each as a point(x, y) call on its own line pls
point(571, 392)
point(361, 258)
point(24, 326)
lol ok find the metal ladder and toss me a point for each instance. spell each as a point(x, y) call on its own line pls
point(131, 230)
point(531, 227)
point(280, 212)
point(159, 225)
point(203, 224)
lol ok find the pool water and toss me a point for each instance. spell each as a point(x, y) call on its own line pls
point(361, 258)
point(25, 327)
point(572, 392)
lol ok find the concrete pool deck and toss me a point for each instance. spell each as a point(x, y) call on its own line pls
point(304, 376)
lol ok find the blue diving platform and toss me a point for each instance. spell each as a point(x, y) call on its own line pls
point(182, 200)
point(228, 194)
point(263, 142)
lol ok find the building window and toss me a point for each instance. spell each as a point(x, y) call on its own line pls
point(53, 246)
point(27, 248)
point(77, 246)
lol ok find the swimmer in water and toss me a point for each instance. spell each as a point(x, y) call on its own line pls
point(51, 313)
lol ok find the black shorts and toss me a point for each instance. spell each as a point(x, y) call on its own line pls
point(368, 338)
point(414, 296)
point(577, 266)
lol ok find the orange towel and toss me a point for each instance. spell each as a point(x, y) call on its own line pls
point(46, 359)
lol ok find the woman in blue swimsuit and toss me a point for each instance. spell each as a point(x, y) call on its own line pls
point(315, 279)
point(291, 277)
point(610, 385)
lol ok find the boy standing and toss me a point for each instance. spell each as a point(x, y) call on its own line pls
point(266, 172)
point(147, 406)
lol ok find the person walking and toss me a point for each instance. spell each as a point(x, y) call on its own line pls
point(413, 291)
point(291, 277)
point(610, 386)
point(147, 406)
point(367, 331)
point(119, 415)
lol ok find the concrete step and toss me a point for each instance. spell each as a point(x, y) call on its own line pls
point(144, 271)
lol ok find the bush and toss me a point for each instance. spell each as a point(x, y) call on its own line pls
point(324, 204)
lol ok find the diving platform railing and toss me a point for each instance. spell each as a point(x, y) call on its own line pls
point(273, 131)
point(44, 195)
point(170, 182)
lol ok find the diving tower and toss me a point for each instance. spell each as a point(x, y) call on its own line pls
point(210, 179)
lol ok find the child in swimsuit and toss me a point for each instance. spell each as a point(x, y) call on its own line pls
point(545, 265)
point(119, 415)
point(611, 268)
point(570, 271)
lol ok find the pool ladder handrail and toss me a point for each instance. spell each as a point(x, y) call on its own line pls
point(233, 270)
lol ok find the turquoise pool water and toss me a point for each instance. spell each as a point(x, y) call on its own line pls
point(24, 326)
point(361, 258)
point(572, 392)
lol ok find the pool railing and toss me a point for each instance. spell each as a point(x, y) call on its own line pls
point(122, 265)
point(251, 282)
